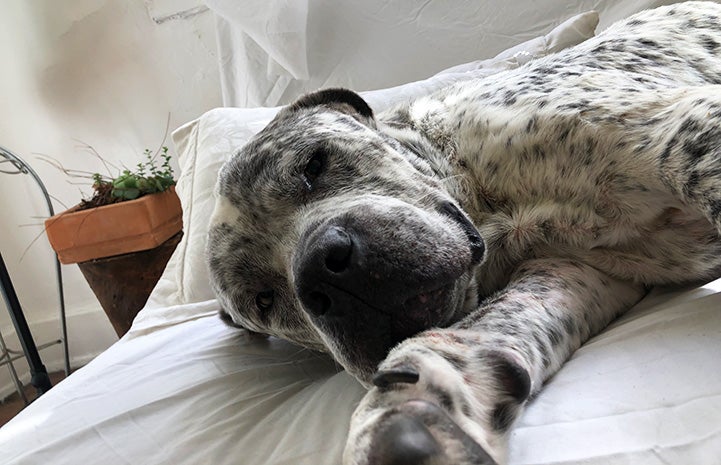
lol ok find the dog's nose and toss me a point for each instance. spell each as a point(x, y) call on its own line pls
point(337, 247)
point(330, 255)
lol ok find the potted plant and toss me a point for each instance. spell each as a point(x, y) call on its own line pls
point(123, 236)
point(137, 210)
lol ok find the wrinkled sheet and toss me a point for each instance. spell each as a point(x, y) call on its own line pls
point(190, 390)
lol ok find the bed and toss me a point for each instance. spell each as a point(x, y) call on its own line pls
point(182, 388)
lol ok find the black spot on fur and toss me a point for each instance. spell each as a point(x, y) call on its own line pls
point(538, 152)
point(630, 67)
point(532, 123)
point(569, 325)
point(703, 143)
point(554, 334)
point(466, 409)
point(691, 183)
point(514, 380)
point(689, 125)
point(503, 416)
point(509, 98)
point(709, 43)
point(459, 363)
point(492, 168)
point(563, 135)
point(666, 154)
point(444, 399)
point(716, 209)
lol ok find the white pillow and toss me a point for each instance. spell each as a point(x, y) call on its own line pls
point(204, 144)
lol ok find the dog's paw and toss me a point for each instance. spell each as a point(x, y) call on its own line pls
point(432, 407)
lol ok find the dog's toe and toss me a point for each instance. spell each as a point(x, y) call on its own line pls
point(405, 440)
point(421, 433)
point(399, 375)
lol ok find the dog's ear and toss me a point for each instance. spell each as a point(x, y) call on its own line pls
point(343, 100)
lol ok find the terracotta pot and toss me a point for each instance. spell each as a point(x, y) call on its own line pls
point(120, 228)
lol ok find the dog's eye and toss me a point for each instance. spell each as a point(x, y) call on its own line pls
point(314, 167)
point(264, 300)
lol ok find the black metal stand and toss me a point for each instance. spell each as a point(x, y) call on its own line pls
point(38, 373)
point(20, 167)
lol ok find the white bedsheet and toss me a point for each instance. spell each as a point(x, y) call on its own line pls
point(193, 391)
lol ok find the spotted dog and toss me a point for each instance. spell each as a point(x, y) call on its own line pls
point(453, 252)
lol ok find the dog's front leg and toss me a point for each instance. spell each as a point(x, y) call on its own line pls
point(449, 396)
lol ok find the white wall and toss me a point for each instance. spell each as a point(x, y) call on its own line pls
point(106, 73)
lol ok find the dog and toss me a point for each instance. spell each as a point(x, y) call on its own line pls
point(452, 252)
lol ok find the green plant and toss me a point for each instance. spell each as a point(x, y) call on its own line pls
point(148, 178)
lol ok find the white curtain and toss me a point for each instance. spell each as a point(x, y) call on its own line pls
point(270, 51)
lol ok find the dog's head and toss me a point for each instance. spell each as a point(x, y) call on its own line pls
point(330, 233)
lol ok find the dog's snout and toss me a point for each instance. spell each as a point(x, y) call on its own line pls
point(390, 263)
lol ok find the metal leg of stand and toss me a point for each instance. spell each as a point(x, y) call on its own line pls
point(63, 324)
point(20, 167)
point(38, 373)
point(5, 354)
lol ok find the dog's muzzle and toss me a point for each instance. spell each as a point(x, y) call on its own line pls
point(363, 288)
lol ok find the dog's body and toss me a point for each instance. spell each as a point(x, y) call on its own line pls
point(582, 179)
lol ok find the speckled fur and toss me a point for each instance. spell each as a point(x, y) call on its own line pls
point(591, 175)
